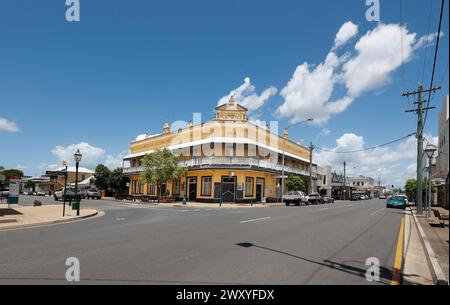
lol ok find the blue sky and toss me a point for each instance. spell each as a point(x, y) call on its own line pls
point(128, 65)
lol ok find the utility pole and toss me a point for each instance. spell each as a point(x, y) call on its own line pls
point(345, 186)
point(311, 148)
point(420, 109)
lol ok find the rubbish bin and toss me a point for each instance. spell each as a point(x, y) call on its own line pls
point(76, 202)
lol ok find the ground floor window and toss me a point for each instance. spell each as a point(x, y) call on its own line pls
point(176, 187)
point(151, 189)
point(249, 186)
point(136, 187)
point(206, 185)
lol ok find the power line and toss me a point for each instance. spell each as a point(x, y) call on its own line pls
point(426, 46)
point(366, 149)
point(401, 45)
point(434, 62)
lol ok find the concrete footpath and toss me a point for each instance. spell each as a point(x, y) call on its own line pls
point(415, 266)
point(194, 204)
point(29, 216)
point(435, 242)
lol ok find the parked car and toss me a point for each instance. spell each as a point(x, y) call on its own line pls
point(295, 197)
point(327, 199)
point(315, 199)
point(396, 202)
point(59, 194)
point(39, 193)
point(382, 196)
point(355, 197)
point(91, 193)
point(405, 197)
point(4, 193)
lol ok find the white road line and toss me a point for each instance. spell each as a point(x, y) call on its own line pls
point(372, 214)
point(349, 205)
point(251, 220)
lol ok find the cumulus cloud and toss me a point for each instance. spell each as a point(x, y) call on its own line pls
point(394, 163)
point(91, 154)
point(246, 95)
point(310, 93)
point(378, 55)
point(347, 31)
point(115, 161)
point(8, 125)
point(427, 40)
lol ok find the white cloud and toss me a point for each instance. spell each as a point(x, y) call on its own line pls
point(427, 39)
point(21, 167)
point(113, 162)
point(394, 164)
point(8, 125)
point(377, 54)
point(246, 96)
point(308, 92)
point(345, 33)
point(91, 154)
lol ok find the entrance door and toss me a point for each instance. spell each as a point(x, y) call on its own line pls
point(259, 189)
point(228, 189)
point(192, 188)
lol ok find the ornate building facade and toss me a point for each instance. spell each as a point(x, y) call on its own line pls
point(227, 159)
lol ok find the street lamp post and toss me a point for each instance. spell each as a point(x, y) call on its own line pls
point(284, 146)
point(65, 187)
point(77, 158)
point(185, 185)
point(429, 150)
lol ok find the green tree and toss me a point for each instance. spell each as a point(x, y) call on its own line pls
point(116, 181)
point(102, 176)
point(160, 166)
point(11, 173)
point(410, 189)
point(295, 183)
point(30, 185)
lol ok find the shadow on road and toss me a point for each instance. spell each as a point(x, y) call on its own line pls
point(385, 273)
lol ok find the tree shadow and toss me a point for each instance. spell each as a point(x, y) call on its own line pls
point(386, 274)
point(4, 212)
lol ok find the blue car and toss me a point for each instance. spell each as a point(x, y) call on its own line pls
point(398, 202)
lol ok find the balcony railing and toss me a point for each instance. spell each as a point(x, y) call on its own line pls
point(232, 162)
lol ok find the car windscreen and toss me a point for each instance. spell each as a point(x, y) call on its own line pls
point(398, 198)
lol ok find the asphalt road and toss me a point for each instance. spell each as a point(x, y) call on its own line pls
point(130, 244)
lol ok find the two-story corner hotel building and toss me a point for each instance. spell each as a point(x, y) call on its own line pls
point(227, 159)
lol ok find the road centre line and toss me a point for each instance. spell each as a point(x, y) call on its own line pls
point(256, 219)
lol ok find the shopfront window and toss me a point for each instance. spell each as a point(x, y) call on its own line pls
point(176, 187)
point(206, 186)
point(249, 186)
point(151, 189)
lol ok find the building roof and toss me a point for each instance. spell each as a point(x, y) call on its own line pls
point(72, 169)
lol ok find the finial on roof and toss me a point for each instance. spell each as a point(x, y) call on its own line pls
point(166, 128)
point(231, 102)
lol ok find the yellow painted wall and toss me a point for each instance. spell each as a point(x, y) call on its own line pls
point(217, 174)
point(218, 129)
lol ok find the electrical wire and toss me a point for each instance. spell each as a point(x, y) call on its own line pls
point(401, 46)
point(434, 64)
point(427, 43)
point(366, 149)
